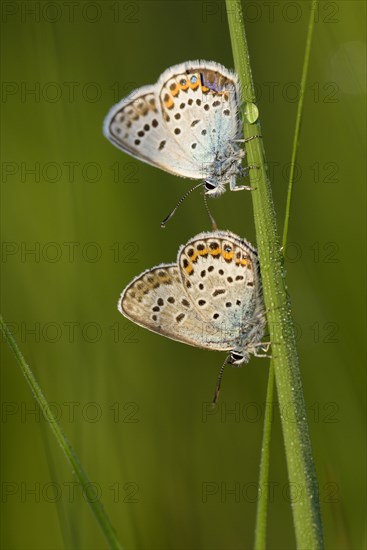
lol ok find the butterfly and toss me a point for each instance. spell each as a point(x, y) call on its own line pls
point(210, 298)
point(187, 124)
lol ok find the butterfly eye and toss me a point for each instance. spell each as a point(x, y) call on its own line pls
point(236, 357)
point(209, 186)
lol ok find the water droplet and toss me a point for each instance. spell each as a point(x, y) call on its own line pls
point(251, 112)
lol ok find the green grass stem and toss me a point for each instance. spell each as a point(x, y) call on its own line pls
point(88, 490)
point(301, 471)
point(262, 505)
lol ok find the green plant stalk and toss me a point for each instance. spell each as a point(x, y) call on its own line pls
point(297, 129)
point(262, 505)
point(301, 471)
point(97, 508)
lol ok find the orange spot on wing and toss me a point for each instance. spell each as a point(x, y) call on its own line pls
point(198, 253)
point(241, 262)
point(169, 103)
point(227, 255)
point(184, 86)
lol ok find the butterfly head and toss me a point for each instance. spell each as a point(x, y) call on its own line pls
point(214, 188)
point(237, 357)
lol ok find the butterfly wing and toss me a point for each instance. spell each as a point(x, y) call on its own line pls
point(220, 273)
point(136, 126)
point(211, 298)
point(200, 102)
point(180, 123)
point(157, 301)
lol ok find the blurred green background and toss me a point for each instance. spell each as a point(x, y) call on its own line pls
point(80, 219)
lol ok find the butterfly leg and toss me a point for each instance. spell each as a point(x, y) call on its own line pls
point(234, 187)
point(212, 220)
point(246, 169)
point(264, 346)
point(245, 140)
